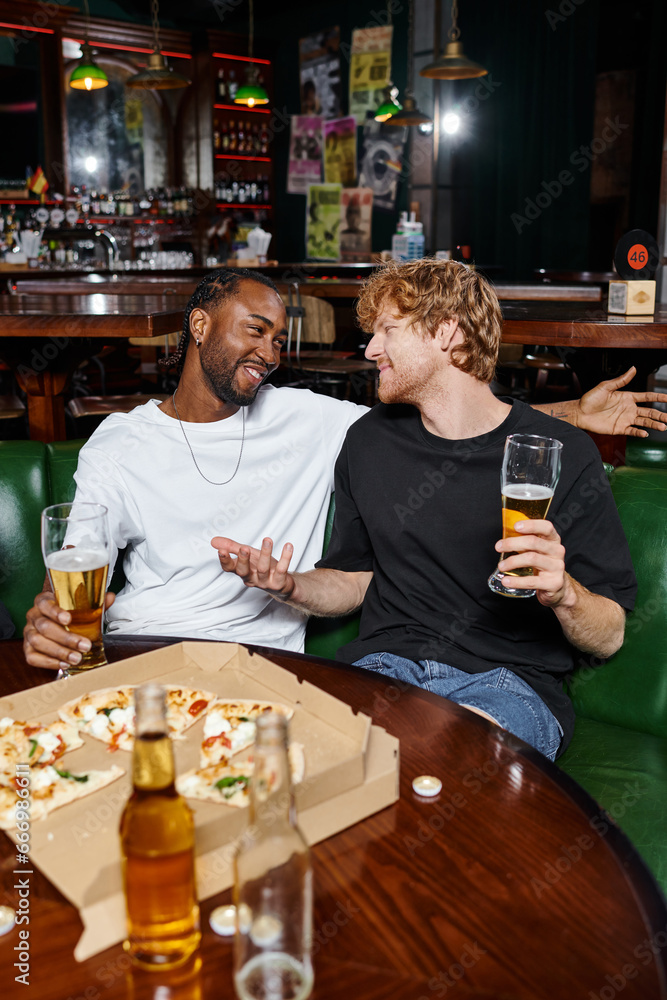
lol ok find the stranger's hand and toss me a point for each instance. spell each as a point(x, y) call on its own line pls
point(46, 641)
point(257, 567)
point(540, 548)
point(606, 410)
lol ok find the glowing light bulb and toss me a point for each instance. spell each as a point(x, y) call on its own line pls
point(251, 102)
point(451, 123)
point(90, 164)
point(88, 83)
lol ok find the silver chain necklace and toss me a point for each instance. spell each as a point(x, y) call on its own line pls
point(173, 399)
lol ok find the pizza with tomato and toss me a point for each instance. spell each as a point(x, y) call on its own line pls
point(230, 727)
point(108, 714)
point(35, 743)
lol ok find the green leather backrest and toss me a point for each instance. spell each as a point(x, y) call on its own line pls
point(646, 453)
point(61, 460)
point(630, 690)
point(24, 492)
point(324, 636)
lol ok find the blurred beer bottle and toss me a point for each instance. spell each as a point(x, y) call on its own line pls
point(273, 881)
point(157, 846)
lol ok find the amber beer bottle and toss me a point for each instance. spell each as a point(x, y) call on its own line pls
point(157, 846)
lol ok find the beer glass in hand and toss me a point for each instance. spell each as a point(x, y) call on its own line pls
point(75, 546)
point(531, 467)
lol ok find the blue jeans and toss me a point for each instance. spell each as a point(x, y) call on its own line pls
point(501, 694)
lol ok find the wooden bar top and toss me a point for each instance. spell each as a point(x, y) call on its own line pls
point(340, 284)
point(92, 315)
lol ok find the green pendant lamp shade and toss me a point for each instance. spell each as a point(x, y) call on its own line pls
point(389, 106)
point(88, 75)
point(251, 92)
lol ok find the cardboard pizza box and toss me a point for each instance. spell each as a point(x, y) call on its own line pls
point(351, 772)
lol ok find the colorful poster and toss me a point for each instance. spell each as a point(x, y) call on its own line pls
point(382, 161)
point(305, 153)
point(356, 208)
point(319, 74)
point(340, 152)
point(370, 69)
point(323, 222)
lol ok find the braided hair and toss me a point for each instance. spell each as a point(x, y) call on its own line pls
point(212, 290)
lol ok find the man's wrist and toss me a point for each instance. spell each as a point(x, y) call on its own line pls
point(288, 595)
point(568, 598)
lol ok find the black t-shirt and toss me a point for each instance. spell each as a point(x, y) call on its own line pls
point(424, 513)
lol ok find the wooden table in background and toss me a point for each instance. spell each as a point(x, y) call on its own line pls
point(567, 325)
point(43, 338)
point(510, 885)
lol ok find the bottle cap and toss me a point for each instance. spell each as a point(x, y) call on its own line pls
point(427, 785)
point(266, 930)
point(223, 919)
point(7, 919)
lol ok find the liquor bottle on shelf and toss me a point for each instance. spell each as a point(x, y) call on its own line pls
point(233, 85)
point(240, 141)
point(273, 881)
point(217, 140)
point(224, 137)
point(221, 86)
point(264, 141)
point(233, 137)
point(157, 846)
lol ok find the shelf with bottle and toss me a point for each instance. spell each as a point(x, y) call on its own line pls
point(253, 191)
point(239, 138)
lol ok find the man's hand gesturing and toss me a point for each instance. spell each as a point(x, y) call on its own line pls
point(258, 567)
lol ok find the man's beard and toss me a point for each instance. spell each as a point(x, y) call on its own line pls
point(220, 376)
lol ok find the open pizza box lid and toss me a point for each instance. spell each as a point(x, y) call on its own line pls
point(351, 772)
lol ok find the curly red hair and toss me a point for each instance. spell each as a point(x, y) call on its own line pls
point(431, 292)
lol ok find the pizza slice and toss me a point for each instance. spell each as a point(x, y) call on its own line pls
point(108, 714)
point(229, 783)
point(50, 787)
point(35, 743)
point(230, 727)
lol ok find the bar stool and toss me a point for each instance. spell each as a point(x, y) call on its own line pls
point(546, 364)
point(89, 411)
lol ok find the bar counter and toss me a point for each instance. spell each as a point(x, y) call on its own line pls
point(330, 281)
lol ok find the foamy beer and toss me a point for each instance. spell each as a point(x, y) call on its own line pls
point(75, 545)
point(529, 476)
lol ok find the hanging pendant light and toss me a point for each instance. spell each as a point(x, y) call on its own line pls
point(156, 75)
point(410, 113)
point(251, 92)
point(453, 64)
point(390, 106)
point(88, 75)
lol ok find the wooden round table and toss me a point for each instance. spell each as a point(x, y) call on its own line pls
point(511, 884)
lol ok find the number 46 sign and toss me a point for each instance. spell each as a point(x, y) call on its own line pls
point(637, 255)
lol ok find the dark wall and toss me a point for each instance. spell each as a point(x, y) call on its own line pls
point(522, 175)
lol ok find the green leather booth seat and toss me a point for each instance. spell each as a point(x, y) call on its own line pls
point(619, 750)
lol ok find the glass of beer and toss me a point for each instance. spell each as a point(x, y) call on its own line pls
point(75, 546)
point(531, 467)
